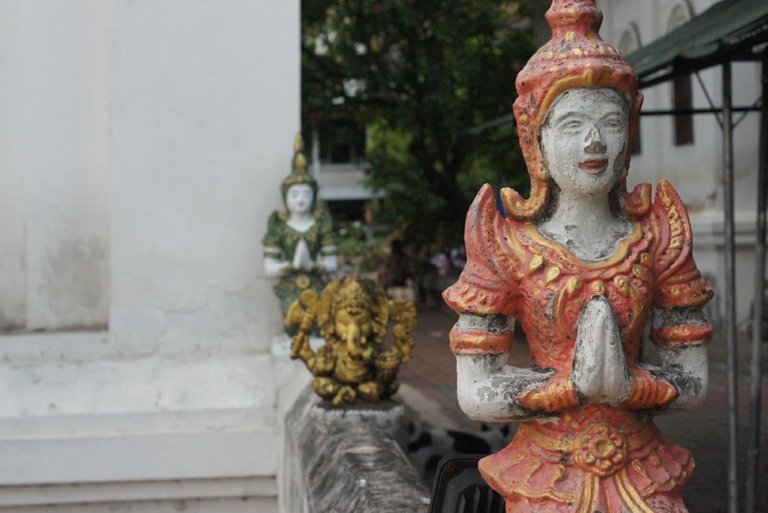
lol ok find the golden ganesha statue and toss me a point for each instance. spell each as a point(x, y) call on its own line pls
point(353, 316)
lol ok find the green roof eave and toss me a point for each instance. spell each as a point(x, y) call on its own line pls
point(728, 25)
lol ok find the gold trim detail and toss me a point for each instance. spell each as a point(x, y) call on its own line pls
point(683, 277)
point(303, 281)
point(552, 274)
point(536, 264)
point(533, 466)
point(555, 443)
point(565, 254)
point(602, 450)
point(630, 495)
point(675, 223)
point(588, 496)
point(574, 285)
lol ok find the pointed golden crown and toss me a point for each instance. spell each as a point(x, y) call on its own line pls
point(299, 174)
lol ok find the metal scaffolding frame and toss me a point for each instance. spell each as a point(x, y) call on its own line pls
point(730, 31)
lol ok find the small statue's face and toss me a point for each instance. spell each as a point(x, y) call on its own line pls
point(298, 199)
point(584, 140)
point(354, 326)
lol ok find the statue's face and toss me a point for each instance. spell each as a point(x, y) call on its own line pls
point(354, 326)
point(584, 140)
point(298, 199)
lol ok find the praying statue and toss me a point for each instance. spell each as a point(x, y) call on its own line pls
point(300, 246)
point(583, 265)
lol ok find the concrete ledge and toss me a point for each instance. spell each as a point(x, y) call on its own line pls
point(118, 456)
point(231, 505)
point(99, 493)
point(346, 460)
point(130, 468)
point(708, 231)
point(99, 431)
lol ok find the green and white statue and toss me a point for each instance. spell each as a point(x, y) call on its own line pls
point(300, 246)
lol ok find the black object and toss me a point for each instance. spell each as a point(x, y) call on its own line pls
point(459, 488)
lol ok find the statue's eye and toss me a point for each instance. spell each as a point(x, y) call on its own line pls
point(572, 124)
point(614, 122)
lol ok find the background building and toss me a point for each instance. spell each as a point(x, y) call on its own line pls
point(142, 145)
point(687, 150)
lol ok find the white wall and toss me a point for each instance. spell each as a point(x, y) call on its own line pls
point(13, 289)
point(204, 104)
point(54, 195)
point(65, 163)
point(142, 144)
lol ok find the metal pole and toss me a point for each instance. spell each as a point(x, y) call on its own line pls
point(713, 110)
point(730, 290)
point(756, 371)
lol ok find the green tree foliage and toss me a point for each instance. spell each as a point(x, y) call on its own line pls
point(418, 75)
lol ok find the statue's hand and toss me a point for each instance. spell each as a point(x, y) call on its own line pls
point(302, 259)
point(648, 391)
point(324, 362)
point(599, 369)
point(346, 394)
point(557, 394)
point(389, 359)
point(297, 344)
point(296, 262)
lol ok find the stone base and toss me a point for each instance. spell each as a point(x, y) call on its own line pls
point(384, 416)
point(346, 460)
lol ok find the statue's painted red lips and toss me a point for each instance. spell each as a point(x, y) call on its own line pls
point(595, 166)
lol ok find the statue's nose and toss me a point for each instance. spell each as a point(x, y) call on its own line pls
point(594, 143)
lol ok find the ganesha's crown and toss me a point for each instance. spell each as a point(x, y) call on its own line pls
point(352, 293)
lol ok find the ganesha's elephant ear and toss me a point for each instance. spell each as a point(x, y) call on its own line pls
point(324, 308)
point(403, 313)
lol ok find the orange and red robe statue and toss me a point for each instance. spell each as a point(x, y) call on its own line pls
point(570, 456)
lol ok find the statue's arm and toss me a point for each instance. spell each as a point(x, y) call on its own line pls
point(485, 297)
point(489, 390)
point(680, 335)
point(327, 259)
point(322, 362)
point(679, 327)
point(275, 266)
point(275, 262)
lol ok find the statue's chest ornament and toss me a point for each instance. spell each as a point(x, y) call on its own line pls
point(562, 283)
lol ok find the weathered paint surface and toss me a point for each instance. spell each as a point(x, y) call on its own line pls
point(584, 267)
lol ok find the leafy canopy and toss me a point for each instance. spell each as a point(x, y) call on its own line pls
point(418, 75)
